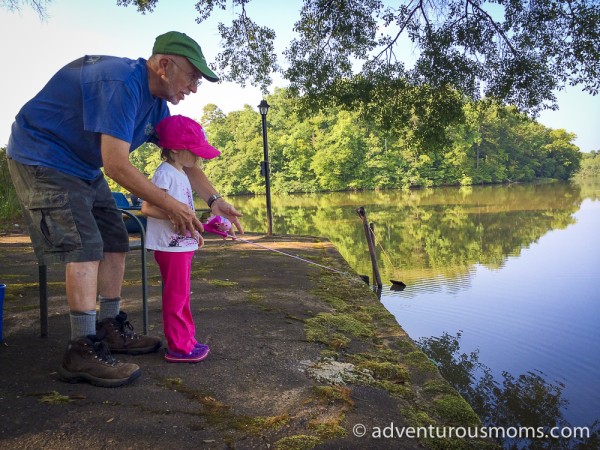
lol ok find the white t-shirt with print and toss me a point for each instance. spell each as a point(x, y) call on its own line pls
point(160, 234)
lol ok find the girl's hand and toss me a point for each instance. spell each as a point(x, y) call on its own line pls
point(199, 239)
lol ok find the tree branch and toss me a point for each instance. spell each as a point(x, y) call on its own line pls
point(403, 27)
point(498, 30)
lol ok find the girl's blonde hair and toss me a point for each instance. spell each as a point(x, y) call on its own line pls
point(165, 154)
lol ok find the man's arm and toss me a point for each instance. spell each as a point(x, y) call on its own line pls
point(115, 157)
point(201, 185)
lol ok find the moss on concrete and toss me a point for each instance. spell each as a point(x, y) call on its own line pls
point(419, 361)
point(222, 283)
point(386, 370)
point(255, 297)
point(327, 428)
point(333, 394)
point(258, 425)
point(394, 361)
point(219, 414)
point(16, 291)
point(298, 442)
point(55, 398)
point(437, 387)
point(456, 411)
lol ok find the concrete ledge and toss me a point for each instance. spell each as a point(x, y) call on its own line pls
point(300, 356)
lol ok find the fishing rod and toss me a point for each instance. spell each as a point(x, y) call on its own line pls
point(370, 235)
point(396, 284)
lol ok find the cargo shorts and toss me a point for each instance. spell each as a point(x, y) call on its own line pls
point(70, 219)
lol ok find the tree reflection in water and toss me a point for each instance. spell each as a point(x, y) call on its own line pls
point(528, 400)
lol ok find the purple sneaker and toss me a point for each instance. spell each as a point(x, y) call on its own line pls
point(201, 345)
point(196, 355)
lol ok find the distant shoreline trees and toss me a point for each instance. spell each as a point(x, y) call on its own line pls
point(590, 165)
point(337, 150)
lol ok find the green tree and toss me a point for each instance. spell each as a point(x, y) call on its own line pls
point(348, 53)
point(341, 152)
point(146, 158)
point(590, 164)
point(562, 159)
point(238, 137)
point(516, 51)
point(291, 144)
point(9, 203)
point(502, 144)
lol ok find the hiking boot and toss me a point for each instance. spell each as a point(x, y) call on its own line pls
point(196, 355)
point(88, 359)
point(120, 337)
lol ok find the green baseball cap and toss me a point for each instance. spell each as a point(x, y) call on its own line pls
point(176, 43)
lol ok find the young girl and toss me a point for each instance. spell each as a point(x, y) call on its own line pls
point(183, 143)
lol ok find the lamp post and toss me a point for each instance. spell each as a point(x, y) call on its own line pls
point(264, 166)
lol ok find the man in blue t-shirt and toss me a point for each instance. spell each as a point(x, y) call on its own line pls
point(92, 114)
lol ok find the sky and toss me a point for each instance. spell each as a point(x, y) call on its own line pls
point(33, 50)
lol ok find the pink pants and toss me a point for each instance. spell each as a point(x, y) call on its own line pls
point(178, 323)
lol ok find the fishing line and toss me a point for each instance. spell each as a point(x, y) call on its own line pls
point(382, 249)
point(220, 226)
point(235, 238)
point(396, 285)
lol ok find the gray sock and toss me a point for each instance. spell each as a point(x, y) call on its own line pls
point(109, 307)
point(83, 323)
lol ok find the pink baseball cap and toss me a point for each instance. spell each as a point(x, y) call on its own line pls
point(182, 133)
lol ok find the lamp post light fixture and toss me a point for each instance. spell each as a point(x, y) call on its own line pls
point(263, 108)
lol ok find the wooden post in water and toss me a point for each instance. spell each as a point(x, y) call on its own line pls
point(371, 243)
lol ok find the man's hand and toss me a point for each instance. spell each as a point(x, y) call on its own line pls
point(222, 208)
point(184, 219)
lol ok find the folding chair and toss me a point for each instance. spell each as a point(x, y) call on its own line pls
point(137, 225)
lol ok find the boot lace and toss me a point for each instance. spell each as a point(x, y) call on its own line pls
point(126, 327)
point(101, 352)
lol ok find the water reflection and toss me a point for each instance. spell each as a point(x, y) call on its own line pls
point(466, 256)
point(425, 234)
point(528, 400)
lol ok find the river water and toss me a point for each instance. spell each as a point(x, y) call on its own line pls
point(502, 285)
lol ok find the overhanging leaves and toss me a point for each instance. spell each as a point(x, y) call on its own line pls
point(357, 52)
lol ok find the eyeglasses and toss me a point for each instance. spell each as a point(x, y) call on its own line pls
point(196, 81)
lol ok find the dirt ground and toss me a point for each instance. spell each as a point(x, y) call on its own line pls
point(301, 357)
